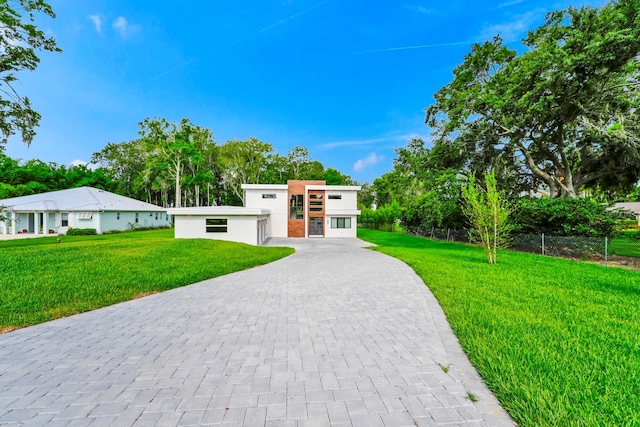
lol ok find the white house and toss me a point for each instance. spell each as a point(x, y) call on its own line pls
point(631, 207)
point(297, 209)
point(83, 207)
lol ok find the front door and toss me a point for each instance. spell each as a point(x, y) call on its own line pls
point(315, 226)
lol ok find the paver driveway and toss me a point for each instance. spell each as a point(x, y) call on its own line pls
point(332, 335)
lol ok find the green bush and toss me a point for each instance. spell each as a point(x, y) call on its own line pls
point(564, 216)
point(81, 231)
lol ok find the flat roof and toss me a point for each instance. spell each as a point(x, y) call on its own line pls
point(334, 187)
point(265, 186)
point(218, 210)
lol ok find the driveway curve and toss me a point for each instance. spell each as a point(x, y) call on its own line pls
point(334, 334)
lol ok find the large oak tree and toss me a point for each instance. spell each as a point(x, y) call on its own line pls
point(563, 113)
point(20, 38)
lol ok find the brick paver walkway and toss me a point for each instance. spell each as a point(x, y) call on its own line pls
point(333, 335)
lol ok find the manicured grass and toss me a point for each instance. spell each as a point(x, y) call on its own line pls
point(557, 341)
point(42, 280)
point(628, 244)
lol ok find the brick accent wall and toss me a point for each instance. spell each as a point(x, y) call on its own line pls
point(295, 227)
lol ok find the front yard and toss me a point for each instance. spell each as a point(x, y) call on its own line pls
point(557, 341)
point(41, 280)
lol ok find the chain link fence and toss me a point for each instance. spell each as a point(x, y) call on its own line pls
point(623, 250)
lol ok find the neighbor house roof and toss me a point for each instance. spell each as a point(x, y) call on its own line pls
point(85, 199)
point(628, 206)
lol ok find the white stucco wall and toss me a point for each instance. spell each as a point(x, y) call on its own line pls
point(349, 200)
point(340, 232)
point(240, 228)
point(278, 207)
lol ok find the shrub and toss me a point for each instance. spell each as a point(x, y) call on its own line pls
point(81, 231)
point(564, 216)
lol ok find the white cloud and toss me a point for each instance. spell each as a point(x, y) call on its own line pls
point(122, 26)
point(370, 160)
point(97, 22)
point(352, 142)
point(514, 30)
point(78, 162)
point(417, 8)
point(510, 3)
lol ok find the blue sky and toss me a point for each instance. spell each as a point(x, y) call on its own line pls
point(347, 79)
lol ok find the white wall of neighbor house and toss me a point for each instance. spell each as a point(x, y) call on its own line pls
point(250, 229)
point(60, 222)
point(276, 200)
point(126, 220)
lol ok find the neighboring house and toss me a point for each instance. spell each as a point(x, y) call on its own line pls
point(633, 207)
point(297, 209)
point(84, 207)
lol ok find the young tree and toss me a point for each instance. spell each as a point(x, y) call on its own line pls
point(488, 213)
point(564, 112)
point(19, 39)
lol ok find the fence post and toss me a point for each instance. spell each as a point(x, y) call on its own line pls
point(606, 252)
point(542, 243)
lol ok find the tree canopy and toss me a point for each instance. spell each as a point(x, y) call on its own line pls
point(19, 40)
point(563, 113)
point(180, 164)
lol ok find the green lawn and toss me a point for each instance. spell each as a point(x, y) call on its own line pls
point(42, 280)
point(628, 244)
point(557, 341)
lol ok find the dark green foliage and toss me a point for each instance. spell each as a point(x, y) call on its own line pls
point(81, 231)
point(383, 218)
point(34, 177)
point(565, 217)
point(425, 184)
point(563, 113)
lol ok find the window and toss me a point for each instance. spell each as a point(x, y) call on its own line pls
point(268, 196)
point(315, 197)
point(338, 222)
point(296, 206)
point(65, 219)
point(335, 196)
point(84, 215)
point(118, 215)
point(137, 217)
point(216, 225)
point(156, 216)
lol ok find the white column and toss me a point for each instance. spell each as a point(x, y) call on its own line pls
point(36, 223)
point(99, 221)
point(14, 229)
point(45, 223)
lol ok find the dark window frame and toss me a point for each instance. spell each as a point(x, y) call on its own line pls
point(216, 225)
point(296, 206)
point(341, 222)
